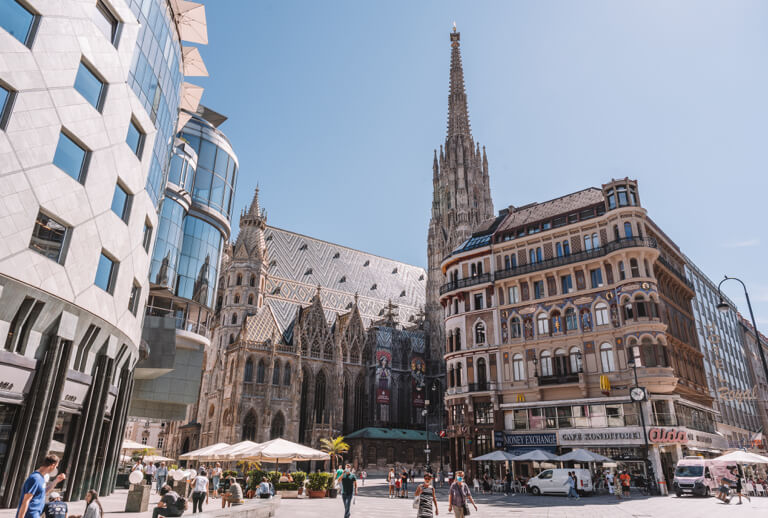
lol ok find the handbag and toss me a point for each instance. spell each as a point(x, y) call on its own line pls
point(466, 509)
point(416, 501)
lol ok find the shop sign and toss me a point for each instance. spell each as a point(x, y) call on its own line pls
point(14, 379)
point(600, 436)
point(533, 440)
point(667, 436)
point(74, 393)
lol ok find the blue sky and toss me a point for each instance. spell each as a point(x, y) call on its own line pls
point(335, 107)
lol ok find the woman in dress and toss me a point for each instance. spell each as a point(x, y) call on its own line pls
point(427, 499)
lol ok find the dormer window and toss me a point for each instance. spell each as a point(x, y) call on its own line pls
point(374, 286)
point(402, 293)
point(308, 272)
point(303, 246)
point(336, 255)
point(394, 271)
point(343, 278)
point(366, 263)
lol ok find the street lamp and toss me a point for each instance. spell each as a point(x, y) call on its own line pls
point(637, 396)
point(723, 307)
point(425, 413)
point(535, 366)
point(436, 391)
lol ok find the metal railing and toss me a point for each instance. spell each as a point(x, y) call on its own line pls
point(465, 283)
point(558, 380)
point(669, 266)
point(482, 386)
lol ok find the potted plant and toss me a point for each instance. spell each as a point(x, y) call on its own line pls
point(299, 477)
point(335, 447)
point(317, 484)
point(333, 492)
point(287, 489)
point(254, 479)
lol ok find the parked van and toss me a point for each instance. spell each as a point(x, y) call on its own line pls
point(695, 475)
point(555, 481)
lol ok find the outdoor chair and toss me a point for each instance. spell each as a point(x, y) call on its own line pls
point(760, 490)
point(476, 484)
point(750, 488)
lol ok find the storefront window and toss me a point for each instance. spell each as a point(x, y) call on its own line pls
point(551, 418)
point(521, 419)
point(7, 418)
point(537, 421)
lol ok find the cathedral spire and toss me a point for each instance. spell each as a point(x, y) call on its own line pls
point(253, 223)
point(458, 114)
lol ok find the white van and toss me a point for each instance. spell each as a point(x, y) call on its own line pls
point(555, 481)
point(695, 475)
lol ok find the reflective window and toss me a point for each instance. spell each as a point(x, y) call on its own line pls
point(201, 249)
point(121, 203)
point(6, 104)
point(133, 300)
point(105, 21)
point(48, 237)
point(596, 277)
point(106, 274)
point(71, 158)
point(207, 155)
point(135, 139)
point(627, 229)
point(147, 241)
point(17, 20)
point(165, 257)
point(89, 86)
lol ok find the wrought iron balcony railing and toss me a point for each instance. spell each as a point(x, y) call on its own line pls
point(465, 283)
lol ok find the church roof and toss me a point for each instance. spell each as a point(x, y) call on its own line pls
point(397, 434)
point(262, 326)
point(520, 216)
point(298, 264)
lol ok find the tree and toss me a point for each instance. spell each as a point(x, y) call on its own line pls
point(334, 446)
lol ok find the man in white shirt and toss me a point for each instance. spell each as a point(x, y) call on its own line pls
point(149, 473)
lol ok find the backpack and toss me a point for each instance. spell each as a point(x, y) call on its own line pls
point(181, 504)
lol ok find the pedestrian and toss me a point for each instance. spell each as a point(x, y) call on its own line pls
point(348, 488)
point(426, 498)
point(625, 480)
point(149, 474)
point(737, 474)
point(404, 484)
point(410, 475)
point(572, 486)
point(93, 507)
point(508, 482)
point(617, 487)
point(170, 504)
point(137, 466)
point(234, 493)
point(264, 491)
point(609, 481)
point(441, 476)
point(458, 495)
point(723, 490)
point(363, 476)
point(161, 475)
point(55, 508)
point(199, 491)
point(216, 473)
point(32, 499)
point(391, 482)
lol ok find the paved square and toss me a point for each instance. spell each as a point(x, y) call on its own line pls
point(373, 502)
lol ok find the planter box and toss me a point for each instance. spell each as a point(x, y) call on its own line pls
point(138, 498)
point(287, 493)
point(317, 494)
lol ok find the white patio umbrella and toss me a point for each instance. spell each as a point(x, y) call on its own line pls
point(497, 455)
point(130, 445)
point(280, 450)
point(582, 455)
point(742, 457)
point(198, 454)
point(535, 456)
point(156, 458)
point(233, 451)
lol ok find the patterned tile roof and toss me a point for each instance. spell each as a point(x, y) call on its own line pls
point(520, 216)
point(262, 326)
point(299, 263)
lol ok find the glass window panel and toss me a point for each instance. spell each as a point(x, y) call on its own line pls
point(202, 189)
point(120, 202)
point(89, 86)
point(105, 22)
point(135, 138)
point(175, 172)
point(231, 170)
point(16, 19)
point(193, 141)
point(105, 273)
point(48, 237)
point(221, 163)
point(5, 105)
point(69, 157)
point(207, 155)
point(537, 419)
point(217, 191)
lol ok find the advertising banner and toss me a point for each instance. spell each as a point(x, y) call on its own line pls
point(418, 381)
point(383, 376)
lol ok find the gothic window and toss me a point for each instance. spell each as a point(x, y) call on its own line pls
point(252, 281)
point(237, 299)
point(239, 279)
point(278, 426)
point(231, 339)
point(250, 300)
point(514, 327)
point(287, 374)
point(276, 373)
point(319, 407)
point(354, 355)
point(234, 318)
point(248, 374)
point(250, 425)
point(606, 357)
point(479, 333)
point(260, 372)
point(328, 351)
point(315, 350)
point(518, 367)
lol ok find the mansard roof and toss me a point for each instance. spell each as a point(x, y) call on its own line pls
point(519, 216)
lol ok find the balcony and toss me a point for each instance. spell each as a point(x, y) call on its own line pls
point(465, 283)
point(625, 242)
point(482, 386)
point(558, 380)
point(663, 420)
point(677, 273)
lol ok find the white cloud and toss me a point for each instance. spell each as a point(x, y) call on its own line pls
point(743, 244)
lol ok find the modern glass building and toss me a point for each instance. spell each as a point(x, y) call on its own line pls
point(193, 226)
point(89, 105)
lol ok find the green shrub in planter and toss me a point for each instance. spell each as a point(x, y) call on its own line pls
point(287, 486)
point(254, 478)
point(318, 481)
point(274, 477)
point(299, 477)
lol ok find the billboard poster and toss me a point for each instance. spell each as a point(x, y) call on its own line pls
point(383, 376)
point(418, 381)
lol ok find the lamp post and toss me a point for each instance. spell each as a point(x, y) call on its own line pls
point(723, 307)
point(648, 463)
point(425, 413)
point(436, 391)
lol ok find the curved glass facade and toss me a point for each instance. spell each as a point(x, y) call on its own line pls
point(165, 257)
point(216, 173)
point(156, 77)
point(182, 169)
point(199, 261)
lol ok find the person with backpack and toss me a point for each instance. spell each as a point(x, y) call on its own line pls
point(170, 504)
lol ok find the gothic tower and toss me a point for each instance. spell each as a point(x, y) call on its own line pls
point(461, 195)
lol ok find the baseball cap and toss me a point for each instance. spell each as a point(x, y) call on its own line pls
point(54, 496)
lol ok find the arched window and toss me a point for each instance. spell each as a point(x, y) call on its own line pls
point(629, 312)
point(539, 256)
point(252, 281)
point(532, 256)
point(320, 397)
point(559, 249)
point(234, 318)
point(542, 324)
point(237, 298)
point(571, 320)
point(587, 242)
point(248, 374)
point(260, 372)
point(250, 299)
point(354, 353)
point(616, 235)
point(556, 324)
point(287, 374)
point(595, 241)
point(250, 425)
point(627, 229)
point(561, 363)
point(606, 357)
point(545, 360)
point(518, 367)
point(482, 374)
point(276, 373)
point(514, 327)
point(479, 333)
point(231, 339)
point(458, 340)
point(622, 273)
point(451, 377)
point(602, 317)
point(278, 426)
point(634, 268)
point(458, 375)
point(239, 279)
point(575, 357)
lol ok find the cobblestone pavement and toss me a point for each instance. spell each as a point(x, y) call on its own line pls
point(373, 502)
